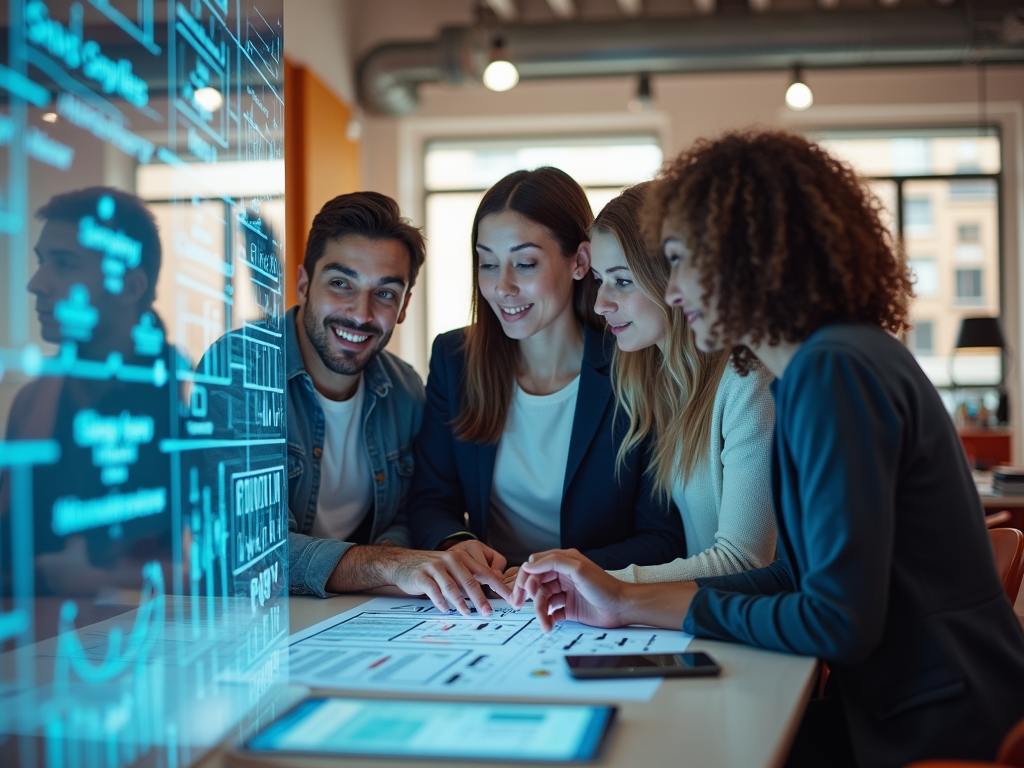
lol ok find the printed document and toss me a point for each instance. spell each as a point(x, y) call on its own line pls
point(406, 645)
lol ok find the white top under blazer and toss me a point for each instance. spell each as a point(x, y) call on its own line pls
point(529, 473)
point(726, 503)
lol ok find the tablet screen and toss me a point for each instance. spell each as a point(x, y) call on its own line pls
point(438, 729)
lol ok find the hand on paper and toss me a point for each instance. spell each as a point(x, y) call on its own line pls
point(566, 586)
point(446, 577)
point(481, 553)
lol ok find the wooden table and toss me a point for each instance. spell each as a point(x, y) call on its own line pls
point(746, 717)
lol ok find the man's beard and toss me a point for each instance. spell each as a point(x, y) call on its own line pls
point(342, 361)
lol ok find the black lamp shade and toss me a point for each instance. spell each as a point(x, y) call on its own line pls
point(980, 332)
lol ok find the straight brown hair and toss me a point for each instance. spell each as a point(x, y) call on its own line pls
point(669, 396)
point(551, 198)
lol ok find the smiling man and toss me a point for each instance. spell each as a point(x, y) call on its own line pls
point(354, 410)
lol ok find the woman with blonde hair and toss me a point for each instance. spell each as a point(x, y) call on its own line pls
point(711, 429)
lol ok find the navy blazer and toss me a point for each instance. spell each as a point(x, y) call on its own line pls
point(886, 568)
point(614, 522)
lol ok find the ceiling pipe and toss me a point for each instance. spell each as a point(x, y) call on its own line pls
point(390, 74)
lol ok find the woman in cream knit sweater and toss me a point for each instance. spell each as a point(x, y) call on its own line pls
point(710, 429)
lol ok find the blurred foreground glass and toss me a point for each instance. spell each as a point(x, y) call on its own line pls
point(143, 528)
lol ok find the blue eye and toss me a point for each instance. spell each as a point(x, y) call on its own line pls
point(386, 294)
point(623, 283)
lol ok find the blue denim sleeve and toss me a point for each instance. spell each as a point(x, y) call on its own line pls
point(842, 438)
point(397, 533)
point(311, 562)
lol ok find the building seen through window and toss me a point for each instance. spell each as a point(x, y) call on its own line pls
point(941, 190)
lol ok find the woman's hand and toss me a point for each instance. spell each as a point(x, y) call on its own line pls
point(566, 586)
point(510, 576)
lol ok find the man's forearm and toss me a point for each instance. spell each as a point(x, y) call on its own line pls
point(362, 567)
point(658, 605)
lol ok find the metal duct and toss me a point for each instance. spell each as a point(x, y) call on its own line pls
point(390, 74)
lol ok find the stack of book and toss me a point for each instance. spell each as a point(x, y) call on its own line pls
point(1008, 480)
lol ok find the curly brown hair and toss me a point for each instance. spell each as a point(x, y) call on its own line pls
point(789, 237)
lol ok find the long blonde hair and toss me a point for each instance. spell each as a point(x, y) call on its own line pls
point(668, 396)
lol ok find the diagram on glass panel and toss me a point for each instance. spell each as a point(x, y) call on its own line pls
point(185, 85)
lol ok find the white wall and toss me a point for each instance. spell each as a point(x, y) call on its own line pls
point(318, 35)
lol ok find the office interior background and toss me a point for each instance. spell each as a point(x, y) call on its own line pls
point(257, 113)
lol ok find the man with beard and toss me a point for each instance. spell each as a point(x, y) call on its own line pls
point(354, 410)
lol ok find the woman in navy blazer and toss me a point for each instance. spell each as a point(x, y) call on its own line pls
point(534, 332)
point(885, 569)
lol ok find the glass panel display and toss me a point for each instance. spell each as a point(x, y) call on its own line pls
point(143, 563)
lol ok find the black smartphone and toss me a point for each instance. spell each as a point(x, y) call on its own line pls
point(643, 665)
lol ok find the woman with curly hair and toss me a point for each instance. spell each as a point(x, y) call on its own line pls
point(885, 568)
point(710, 428)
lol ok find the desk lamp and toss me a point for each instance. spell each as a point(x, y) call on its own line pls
point(979, 334)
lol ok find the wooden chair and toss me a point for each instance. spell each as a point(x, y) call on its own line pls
point(998, 519)
point(1008, 546)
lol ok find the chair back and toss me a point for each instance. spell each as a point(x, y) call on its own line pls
point(1008, 546)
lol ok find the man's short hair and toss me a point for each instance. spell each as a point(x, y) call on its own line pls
point(367, 214)
point(129, 215)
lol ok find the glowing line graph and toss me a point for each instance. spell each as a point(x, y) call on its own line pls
point(149, 623)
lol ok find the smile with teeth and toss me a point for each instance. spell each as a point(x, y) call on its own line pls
point(515, 310)
point(355, 338)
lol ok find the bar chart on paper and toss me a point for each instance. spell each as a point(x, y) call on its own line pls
point(408, 646)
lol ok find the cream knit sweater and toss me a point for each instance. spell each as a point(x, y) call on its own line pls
point(726, 504)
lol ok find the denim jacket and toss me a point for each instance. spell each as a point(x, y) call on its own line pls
point(392, 412)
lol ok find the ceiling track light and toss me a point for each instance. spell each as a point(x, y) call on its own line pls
point(798, 95)
point(501, 74)
point(644, 99)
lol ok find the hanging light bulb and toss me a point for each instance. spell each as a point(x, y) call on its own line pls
point(209, 98)
point(798, 95)
point(501, 74)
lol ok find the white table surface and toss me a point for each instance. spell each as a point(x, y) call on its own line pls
point(745, 718)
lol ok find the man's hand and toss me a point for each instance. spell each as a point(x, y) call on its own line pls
point(566, 586)
point(481, 553)
point(445, 577)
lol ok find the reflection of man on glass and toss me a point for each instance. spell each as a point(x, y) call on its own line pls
point(354, 410)
point(103, 398)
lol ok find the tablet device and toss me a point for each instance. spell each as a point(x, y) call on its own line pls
point(441, 730)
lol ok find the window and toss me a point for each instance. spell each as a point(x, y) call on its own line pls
point(968, 244)
point(917, 217)
point(968, 233)
point(921, 339)
point(968, 286)
point(971, 190)
point(926, 276)
point(940, 189)
point(457, 173)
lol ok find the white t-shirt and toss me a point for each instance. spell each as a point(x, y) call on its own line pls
point(529, 472)
point(346, 482)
